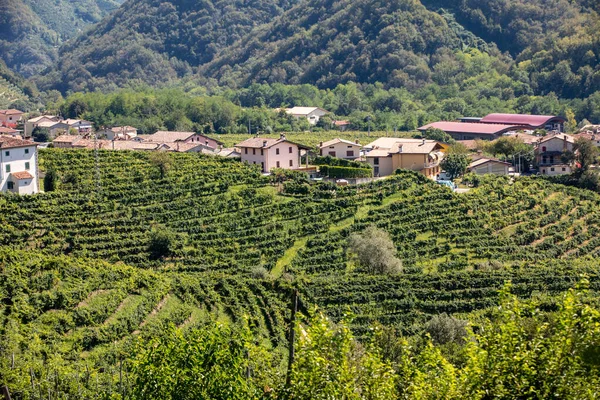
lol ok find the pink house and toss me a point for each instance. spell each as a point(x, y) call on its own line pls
point(271, 153)
point(10, 118)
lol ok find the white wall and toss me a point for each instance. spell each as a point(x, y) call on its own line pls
point(340, 149)
point(17, 159)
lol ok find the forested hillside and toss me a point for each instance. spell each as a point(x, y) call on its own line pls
point(32, 30)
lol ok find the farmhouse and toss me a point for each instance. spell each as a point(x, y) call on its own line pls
point(18, 165)
point(471, 131)
point(484, 166)
point(312, 114)
point(340, 148)
point(271, 153)
point(182, 137)
point(10, 118)
point(118, 133)
point(386, 155)
point(549, 151)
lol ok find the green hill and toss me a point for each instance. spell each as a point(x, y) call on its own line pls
point(79, 280)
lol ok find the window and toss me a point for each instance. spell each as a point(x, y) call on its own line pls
point(543, 148)
point(277, 151)
point(552, 169)
point(376, 171)
point(262, 152)
point(544, 160)
point(291, 163)
point(254, 152)
point(27, 166)
point(7, 153)
point(26, 151)
point(246, 150)
point(350, 153)
point(7, 168)
point(332, 147)
point(543, 170)
point(10, 185)
point(291, 150)
point(262, 165)
point(332, 153)
point(278, 166)
point(564, 169)
point(376, 161)
point(349, 146)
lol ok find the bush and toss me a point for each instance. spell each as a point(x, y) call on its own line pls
point(51, 181)
point(163, 243)
point(446, 329)
point(345, 172)
point(375, 251)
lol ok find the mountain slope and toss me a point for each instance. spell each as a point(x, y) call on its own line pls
point(32, 30)
point(156, 41)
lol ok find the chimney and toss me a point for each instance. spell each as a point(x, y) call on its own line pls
point(565, 142)
point(282, 136)
point(357, 141)
point(320, 144)
point(264, 143)
point(423, 142)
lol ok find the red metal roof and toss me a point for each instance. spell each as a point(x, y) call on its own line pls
point(475, 128)
point(534, 121)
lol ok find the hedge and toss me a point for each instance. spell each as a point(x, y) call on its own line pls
point(345, 172)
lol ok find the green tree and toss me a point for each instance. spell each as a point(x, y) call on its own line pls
point(585, 154)
point(375, 251)
point(571, 125)
point(162, 160)
point(51, 180)
point(163, 242)
point(438, 135)
point(455, 164)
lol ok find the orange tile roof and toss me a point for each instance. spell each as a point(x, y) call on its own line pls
point(22, 175)
point(7, 142)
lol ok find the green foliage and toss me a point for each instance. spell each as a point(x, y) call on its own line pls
point(345, 172)
point(41, 135)
point(455, 164)
point(438, 135)
point(375, 251)
point(51, 180)
point(163, 243)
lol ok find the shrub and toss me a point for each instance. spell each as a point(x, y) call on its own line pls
point(446, 329)
point(375, 251)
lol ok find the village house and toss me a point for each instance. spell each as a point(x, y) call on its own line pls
point(10, 118)
point(340, 148)
point(271, 153)
point(471, 131)
point(386, 155)
point(18, 166)
point(181, 137)
point(9, 131)
point(589, 135)
point(485, 165)
point(312, 114)
point(549, 151)
point(118, 133)
point(342, 126)
point(33, 123)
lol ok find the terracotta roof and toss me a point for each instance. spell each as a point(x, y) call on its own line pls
point(67, 138)
point(589, 135)
point(560, 136)
point(11, 111)
point(4, 130)
point(475, 128)
point(36, 119)
point(402, 145)
point(484, 160)
point(169, 137)
point(338, 140)
point(526, 138)
point(258, 143)
point(341, 123)
point(535, 121)
point(131, 145)
point(7, 142)
point(121, 129)
point(22, 175)
point(378, 153)
point(50, 124)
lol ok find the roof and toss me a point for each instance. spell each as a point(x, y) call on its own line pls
point(120, 129)
point(586, 135)
point(8, 142)
point(50, 124)
point(378, 153)
point(382, 147)
point(535, 121)
point(228, 152)
point(4, 130)
point(338, 140)
point(76, 122)
point(484, 160)
point(11, 111)
point(21, 175)
point(526, 138)
point(560, 136)
point(166, 136)
point(131, 145)
point(341, 123)
point(257, 143)
point(67, 138)
point(41, 117)
point(475, 128)
point(303, 110)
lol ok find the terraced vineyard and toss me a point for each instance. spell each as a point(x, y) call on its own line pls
point(78, 284)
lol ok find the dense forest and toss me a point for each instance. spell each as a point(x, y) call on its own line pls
point(32, 30)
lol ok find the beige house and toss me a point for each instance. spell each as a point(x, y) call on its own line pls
point(10, 118)
point(33, 123)
point(549, 151)
point(312, 114)
point(271, 153)
point(118, 133)
point(340, 148)
point(181, 137)
point(389, 154)
point(484, 166)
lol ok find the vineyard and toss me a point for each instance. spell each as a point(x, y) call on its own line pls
point(79, 284)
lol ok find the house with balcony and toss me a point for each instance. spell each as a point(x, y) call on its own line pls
point(340, 148)
point(271, 153)
point(10, 118)
point(386, 155)
point(549, 152)
point(18, 165)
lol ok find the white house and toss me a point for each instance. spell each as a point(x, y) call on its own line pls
point(340, 148)
point(18, 166)
point(118, 133)
point(312, 114)
point(549, 151)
